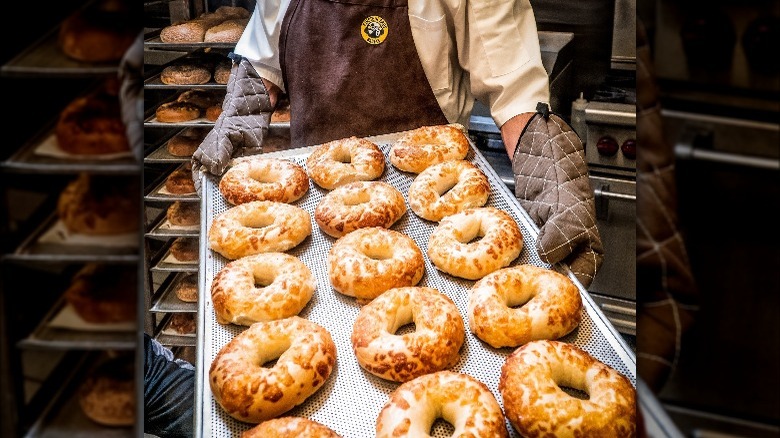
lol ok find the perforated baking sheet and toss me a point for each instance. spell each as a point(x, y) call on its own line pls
point(351, 399)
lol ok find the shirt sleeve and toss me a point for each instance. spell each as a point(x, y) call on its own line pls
point(499, 47)
point(260, 41)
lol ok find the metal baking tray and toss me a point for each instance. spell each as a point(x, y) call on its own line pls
point(44, 57)
point(46, 337)
point(167, 302)
point(32, 250)
point(154, 82)
point(158, 151)
point(63, 417)
point(158, 194)
point(154, 42)
point(351, 399)
point(150, 120)
point(173, 340)
point(160, 230)
point(25, 159)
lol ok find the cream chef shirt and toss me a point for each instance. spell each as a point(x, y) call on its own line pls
point(483, 49)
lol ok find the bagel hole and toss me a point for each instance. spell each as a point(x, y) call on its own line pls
point(262, 282)
point(445, 187)
point(376, 254)
point(270, 364)
point(258, 221)
point(358, 198)
point(342, 156)
point(406, 329)
point(574, 392)
point(261, 177)
point(441, 428)
point(474, 239)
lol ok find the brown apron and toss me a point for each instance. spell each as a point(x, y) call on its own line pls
point(353, 69)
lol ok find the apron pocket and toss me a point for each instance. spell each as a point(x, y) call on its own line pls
point(500, 37)
point(436, 48)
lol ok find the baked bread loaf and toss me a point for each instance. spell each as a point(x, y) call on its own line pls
point(345, 160)
point(461, 400)
point(420, 148)
point(176, 112)
point(187, 289)
point(213, 112)
point(185, 74)
point(103, 294)
point(190, 31)
point(180, 181)
point(446, 188)
point(433, 346)
point(282, 112)
point(252, 393)
point(530, 385)
point(229, 31)
point(201, 98)
point(359, 204)
point(262, 287)
point(182, 323)
point(107, 396)
point(183, 214)
point(100, 32)
point(290, 427)
point(100, 205)
point(232, 12)
point(186, 142)
point(368, 261)
point(257, 227)
point(222, 71)
point(264, 179)
point(92, 125)
point(185, 249)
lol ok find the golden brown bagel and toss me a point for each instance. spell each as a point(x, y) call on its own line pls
point(420, 148)
point(359, 204)
point(448, 188)
point(342, 161)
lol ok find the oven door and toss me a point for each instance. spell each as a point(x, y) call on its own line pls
point(614, 288)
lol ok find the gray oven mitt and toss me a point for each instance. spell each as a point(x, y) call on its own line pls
point(242, 125)
point(551, 183)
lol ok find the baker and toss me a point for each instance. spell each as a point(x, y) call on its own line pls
point(380, 66)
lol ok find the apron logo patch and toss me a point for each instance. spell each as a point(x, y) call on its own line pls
point(374, 29)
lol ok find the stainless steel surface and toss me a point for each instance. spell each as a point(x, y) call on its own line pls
point(160, 155)
point(624, 35)
point(30, 250)
point(157, 194)
point(351, 399)
point(614, 119)
point(46, 337)
point(740, 142)
point(162, 230)
point(615, 200)
point(166, 301)
point(46, 58)
point(656, 420)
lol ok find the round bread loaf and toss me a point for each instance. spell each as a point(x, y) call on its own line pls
point(185, 249)
point(186, 142)
point(180, 181)
point(345, 160)
point(359, 204)
point(229, 31)
point(97, 33)
point(187, 289)
point(185, 74)
point(92, 125)
point(530, 385)
point(183, 323)
point(100, 205)
point(222, 71)
point(183, 214)
point(107, 396)
point(253, 393)
point(176, 112)
point(103, 294)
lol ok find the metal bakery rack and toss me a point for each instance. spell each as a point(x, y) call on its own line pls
point(351, 399)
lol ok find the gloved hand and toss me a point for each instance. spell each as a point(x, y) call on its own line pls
point(551, 183)
point(242, 126)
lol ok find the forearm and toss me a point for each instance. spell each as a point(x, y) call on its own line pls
point(273, 92)
point(511, 130)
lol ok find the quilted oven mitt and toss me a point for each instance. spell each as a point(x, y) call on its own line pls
point(551, 183)
point(240, 129)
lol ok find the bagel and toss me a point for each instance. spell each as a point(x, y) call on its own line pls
point(290, 427)
point(536, 406)
point(550, 306)
point(342, 161)
point(452, 250)
point(252, 393)
point(369, 261)
point(257, 227)
point(463, 401)
point(261, 287)
point(433, 346)
point(359, 204)
point(420, 148)
point(264, 179)
point(447, 188)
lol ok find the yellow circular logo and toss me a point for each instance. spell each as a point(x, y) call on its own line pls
point(374, 29)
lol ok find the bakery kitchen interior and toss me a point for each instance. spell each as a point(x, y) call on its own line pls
point(100, 240)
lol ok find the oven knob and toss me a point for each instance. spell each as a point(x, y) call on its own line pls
point(629, 148)
point(607, 145)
